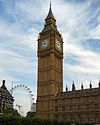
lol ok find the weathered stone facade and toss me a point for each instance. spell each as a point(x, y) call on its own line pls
point(6, 99)
point(50, 66)
point(76, 105)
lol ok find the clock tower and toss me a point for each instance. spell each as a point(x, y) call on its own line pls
point(50, 67)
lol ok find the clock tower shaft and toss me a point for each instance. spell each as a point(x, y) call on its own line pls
point(50, 67)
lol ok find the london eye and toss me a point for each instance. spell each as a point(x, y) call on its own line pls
point(24, 100)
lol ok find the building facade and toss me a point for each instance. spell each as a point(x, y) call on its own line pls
point(6, 99)
point(50, 66)
point(52, 102)
point(78, 105)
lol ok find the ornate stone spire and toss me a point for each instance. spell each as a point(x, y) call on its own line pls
point(82, 86)
point(99, 84)
point(73, 86)
point(90, 85)
point(66, 88)
point(3, 85)
point(50, 22)
point(50, 14)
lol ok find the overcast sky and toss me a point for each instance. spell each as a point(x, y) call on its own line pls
point(77, 20)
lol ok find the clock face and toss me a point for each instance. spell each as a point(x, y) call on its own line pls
point(44, 43)
point(58, 44)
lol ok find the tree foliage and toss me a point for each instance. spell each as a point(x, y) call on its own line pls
point(12, 117)
point(31, 114)
point(32, 121)
point(10, 112)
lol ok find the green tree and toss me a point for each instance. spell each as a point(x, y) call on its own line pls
point(10, 116)
point(10, 112)
point(31, 114)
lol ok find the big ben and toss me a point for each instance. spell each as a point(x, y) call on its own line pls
point(50, 66)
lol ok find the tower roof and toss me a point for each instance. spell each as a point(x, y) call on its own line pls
point(50, 22)
point(50, 14)
point(4, 92)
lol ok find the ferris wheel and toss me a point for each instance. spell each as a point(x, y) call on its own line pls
point(26, 90)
